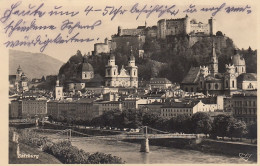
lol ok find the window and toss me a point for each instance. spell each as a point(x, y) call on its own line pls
point(233, 84)
point(216, 86)
point(209, 86)
point(250, 86)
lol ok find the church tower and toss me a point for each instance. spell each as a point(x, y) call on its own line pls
point(111, 71)
point(203, 74)
point(133, 71)
point(239, 63)
point(230, 80)
point(58, 91)
point(213, 62)
point(19, 73)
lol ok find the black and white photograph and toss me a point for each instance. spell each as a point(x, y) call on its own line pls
point(129, 82)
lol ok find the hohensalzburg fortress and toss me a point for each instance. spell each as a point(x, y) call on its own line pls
point(186, 26)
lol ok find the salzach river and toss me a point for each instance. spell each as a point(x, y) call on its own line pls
point(129, 152)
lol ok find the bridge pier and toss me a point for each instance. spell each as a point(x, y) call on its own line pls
point(145, 145)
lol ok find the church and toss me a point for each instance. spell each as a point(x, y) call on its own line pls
point(126, 77)
point(208, 80)
point(19, 81)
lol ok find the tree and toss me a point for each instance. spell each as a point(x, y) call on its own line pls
point(219, 33)
point(220, 125)
point(181, 123)
point(201, 123)
point(252, 131)
point(236, 128)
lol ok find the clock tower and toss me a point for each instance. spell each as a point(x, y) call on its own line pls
point(58, 91)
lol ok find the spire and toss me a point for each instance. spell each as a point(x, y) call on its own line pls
point(213, 51)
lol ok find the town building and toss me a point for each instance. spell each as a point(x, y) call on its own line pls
point(208, 80)
point(34, 108)
point(71, 110)
point(159, 83)
point(154, 108)
point(103, 106)
point(127, 77)
point(245, 106)
point(15, 110)
point(187, 108)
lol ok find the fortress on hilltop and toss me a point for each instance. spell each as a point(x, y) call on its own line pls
point(184, 26)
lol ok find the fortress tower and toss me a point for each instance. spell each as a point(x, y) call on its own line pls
point(212, 26)
point(187, 25)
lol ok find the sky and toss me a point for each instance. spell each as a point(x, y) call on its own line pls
point(241, 27)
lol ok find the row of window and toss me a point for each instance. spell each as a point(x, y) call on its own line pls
point(246, 111)
point(176, 110)
point(245, 103)
point(171, 115)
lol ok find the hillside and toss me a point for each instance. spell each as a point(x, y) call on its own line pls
point(34, 65)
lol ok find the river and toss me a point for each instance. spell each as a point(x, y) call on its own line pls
point(129, 152)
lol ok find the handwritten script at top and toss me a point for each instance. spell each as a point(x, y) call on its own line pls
point(15, 20)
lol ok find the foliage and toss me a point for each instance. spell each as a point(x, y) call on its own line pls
point(181, 123)
point(69, 154)
point(201, 123)
point(31, 138)
point(252, 131)
point(221, 124)
point(101, 158)
point(237, 128)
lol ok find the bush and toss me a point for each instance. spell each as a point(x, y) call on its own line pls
point(31, 138)
point(69, 154)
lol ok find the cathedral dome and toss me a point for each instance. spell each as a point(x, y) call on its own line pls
point(238, 60)
point(87, 67)
point(247, 77)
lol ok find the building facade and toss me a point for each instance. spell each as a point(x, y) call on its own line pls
point(245, 107)
point(184, 26)
point(127, 77)
point(34, 108)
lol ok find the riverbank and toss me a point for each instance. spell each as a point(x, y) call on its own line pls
point(44, 158)
point(231, 149)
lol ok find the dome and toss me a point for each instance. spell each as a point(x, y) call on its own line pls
point(238, 60)
point(87, 67)
point(247, 77)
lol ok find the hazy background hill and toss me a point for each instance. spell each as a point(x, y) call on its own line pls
point(34, 65)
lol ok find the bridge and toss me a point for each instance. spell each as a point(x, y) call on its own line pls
point(145, 134)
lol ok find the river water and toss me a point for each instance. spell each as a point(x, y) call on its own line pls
point(129, 152)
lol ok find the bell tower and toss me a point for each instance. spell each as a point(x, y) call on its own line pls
point(133, 70)
point(111, 71)
point(58, 91)
point(213, 62)
point(230, 80)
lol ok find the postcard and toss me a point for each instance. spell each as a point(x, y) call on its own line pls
point(128, 82)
